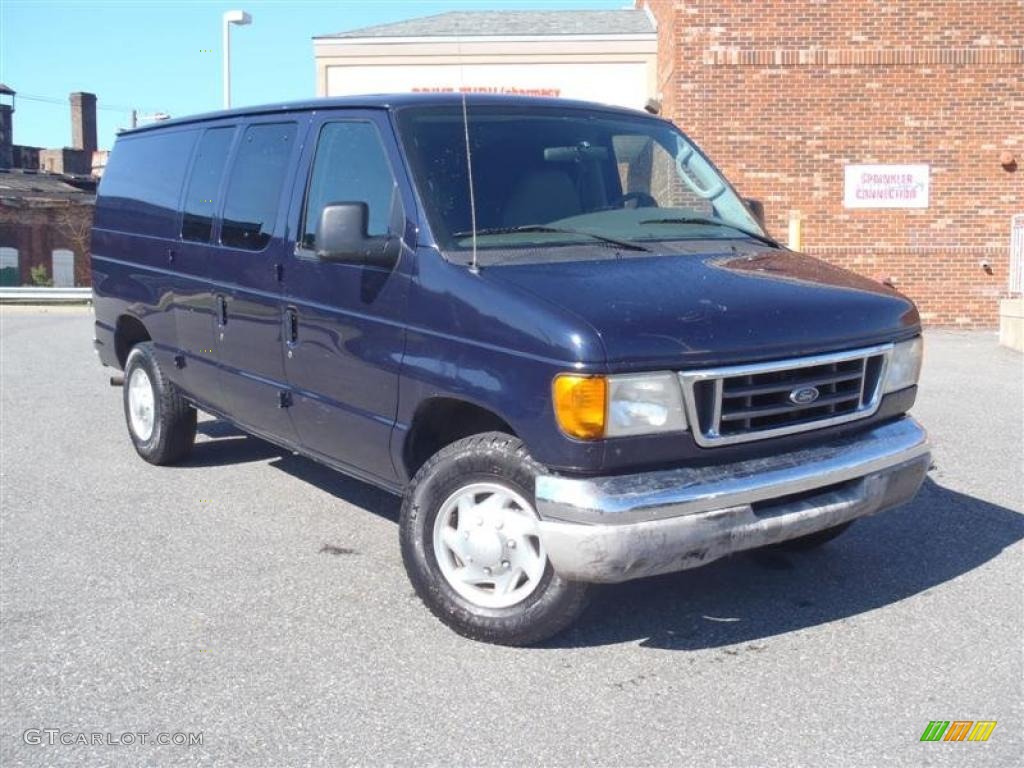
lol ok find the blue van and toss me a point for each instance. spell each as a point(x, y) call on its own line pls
point(553, 327)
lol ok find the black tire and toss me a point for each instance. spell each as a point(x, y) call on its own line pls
point(174, 420)
point(814, 540)
point(493, 457)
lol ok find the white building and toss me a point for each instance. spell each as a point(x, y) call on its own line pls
point(604, 56)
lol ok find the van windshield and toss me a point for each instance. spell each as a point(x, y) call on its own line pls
point(547, 176)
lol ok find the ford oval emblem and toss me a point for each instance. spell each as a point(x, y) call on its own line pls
point(804, 395)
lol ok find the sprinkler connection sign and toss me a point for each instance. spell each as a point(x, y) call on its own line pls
point(886, 186)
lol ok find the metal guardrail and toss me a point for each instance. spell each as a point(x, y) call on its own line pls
point(38, 295)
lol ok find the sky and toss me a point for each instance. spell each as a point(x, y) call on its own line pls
point(158, 56)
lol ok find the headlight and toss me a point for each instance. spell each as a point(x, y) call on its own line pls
point(644, 404)
point(591, 407)
point(904, 365)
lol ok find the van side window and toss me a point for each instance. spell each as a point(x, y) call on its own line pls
point(142, 183)
point(255, 185)
point(351, 165)
point(204, 184)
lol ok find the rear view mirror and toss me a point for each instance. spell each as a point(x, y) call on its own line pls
point(581, 151)
point(341, 236)
point(756, 208)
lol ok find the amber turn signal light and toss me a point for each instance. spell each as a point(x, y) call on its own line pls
point(580, 405)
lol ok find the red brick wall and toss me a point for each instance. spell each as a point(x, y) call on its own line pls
point(784, 93)
point(36, 231)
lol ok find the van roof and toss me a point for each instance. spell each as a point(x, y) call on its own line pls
point(388, 102)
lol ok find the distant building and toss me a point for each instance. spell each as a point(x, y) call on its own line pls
point(99, 161)
point(76, 159)
point(46, 215)
point(607, 56)
point(44, 225)
point(23, 156)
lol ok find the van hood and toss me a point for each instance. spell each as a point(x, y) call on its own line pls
point(737, 305)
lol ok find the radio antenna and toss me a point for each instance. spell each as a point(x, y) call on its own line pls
point(469, 173)
point(469, 153)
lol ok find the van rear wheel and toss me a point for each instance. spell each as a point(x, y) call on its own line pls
point(161, 423)
point(472, 548)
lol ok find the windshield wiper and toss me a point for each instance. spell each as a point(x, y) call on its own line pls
point(713, 223)
point(625, 244)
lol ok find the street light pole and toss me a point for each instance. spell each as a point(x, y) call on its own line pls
point(240, 18)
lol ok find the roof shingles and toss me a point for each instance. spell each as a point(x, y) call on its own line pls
point(18, 188)
point(511, 24)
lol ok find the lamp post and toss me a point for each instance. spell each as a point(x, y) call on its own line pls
point(240, 18)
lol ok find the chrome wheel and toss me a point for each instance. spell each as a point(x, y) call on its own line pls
point(141, 404)
point(487, 543)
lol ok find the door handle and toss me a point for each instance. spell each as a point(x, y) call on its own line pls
point(291, 321)
point(171, 254)
point(222, 310)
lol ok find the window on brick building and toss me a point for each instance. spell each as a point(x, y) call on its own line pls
point(9, 266)
point(62, 267)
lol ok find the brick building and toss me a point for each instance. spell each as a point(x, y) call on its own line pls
point(47, 199)
point(44, 226)
point(784, 94)
point(77, 159)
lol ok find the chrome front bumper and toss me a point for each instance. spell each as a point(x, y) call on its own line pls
point(610, 529)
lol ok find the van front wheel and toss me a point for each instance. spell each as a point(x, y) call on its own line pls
point(161, 423)
point(472, 548)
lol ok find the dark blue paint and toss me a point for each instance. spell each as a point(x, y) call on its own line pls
point(248, 338)
point(345, 364)
point(376, 347)
point(684, 311)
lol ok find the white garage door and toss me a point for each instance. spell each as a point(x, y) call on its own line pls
point(63, 268)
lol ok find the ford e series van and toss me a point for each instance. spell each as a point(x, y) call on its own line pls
point(553, 327)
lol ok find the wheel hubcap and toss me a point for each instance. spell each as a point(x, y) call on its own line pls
point(140, 404)
point(487, 542)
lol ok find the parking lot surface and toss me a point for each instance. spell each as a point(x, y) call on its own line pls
point(259, 599)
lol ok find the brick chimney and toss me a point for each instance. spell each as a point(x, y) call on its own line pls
point(6, 128)
point(6, 135)
point(83, 121)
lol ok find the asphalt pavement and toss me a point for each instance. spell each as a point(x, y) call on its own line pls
point(259, 600)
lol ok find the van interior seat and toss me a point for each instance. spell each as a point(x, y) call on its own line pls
point(540, 196)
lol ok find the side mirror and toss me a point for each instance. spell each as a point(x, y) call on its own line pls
point(757, 209)
point(341, 236)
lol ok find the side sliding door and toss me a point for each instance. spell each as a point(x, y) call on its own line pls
point(245, 268)
point(194, 306)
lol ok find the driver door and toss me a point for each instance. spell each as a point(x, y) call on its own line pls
point(344, 333)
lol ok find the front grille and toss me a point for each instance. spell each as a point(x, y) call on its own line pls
point(753, 402)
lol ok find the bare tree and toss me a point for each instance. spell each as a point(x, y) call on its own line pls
point(74, 222)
